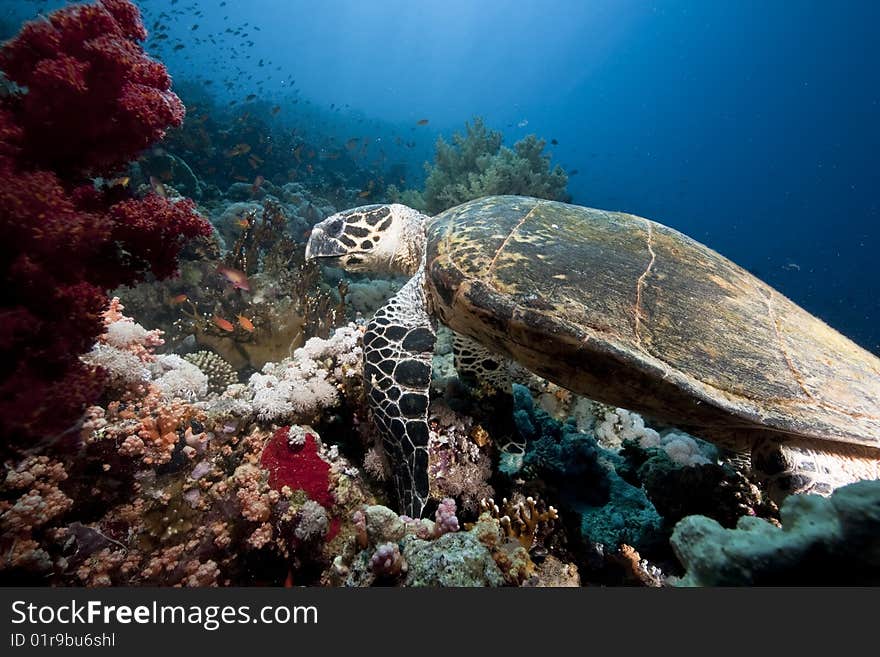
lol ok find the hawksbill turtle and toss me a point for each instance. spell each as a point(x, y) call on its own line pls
point(614, 307)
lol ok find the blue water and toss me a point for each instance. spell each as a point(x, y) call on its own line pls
point(752, 126)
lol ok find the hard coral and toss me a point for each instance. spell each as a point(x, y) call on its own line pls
point(523, 520)
point(822, 541)
point(93, 99)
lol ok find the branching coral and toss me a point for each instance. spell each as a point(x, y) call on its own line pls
point(526, 520)
point(93, 99)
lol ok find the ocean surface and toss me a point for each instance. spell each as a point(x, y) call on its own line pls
point(751, 126)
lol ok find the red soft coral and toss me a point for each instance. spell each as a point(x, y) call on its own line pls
point(93, 101)
point(299, 467)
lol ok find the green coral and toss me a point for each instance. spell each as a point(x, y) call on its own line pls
point(476, 164)
point(611, 511)
point(822, 541)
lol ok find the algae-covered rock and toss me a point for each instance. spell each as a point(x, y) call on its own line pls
point(454, 559)
point(383, 525)
point(822, 541)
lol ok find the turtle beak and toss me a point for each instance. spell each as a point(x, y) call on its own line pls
point(321, 245)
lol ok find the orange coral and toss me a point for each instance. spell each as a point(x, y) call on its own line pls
point(147, 427)
point(523, 520)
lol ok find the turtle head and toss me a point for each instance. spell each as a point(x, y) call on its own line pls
point(371, 238)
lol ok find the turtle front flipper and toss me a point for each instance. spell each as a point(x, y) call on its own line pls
point(398, 347)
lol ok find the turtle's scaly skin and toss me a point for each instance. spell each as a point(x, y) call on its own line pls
point(630, 312)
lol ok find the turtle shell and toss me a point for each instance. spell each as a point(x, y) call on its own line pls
point(629, 312)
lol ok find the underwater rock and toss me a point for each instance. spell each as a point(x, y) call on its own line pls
point(454, 559)
point(554, 573)
point(822, 541)
point(383, 525)
point(241, 191)
point(709, 489)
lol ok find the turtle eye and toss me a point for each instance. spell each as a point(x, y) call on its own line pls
point(334, 228)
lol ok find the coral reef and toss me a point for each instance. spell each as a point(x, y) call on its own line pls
point(93, 99)
point(459, 457)
point(455, 559)
point(214, 432)
point(388, 549)
point(822, 541)
point(525, 520)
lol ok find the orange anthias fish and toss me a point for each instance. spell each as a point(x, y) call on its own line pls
point(180, 298)
point(238, 149)
point(119, 182)
point(246, 324)
point(223, 324)
point(237, 278)
point(259, 180)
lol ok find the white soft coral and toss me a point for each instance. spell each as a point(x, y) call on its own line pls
point(178, 378)
point(298, 388)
